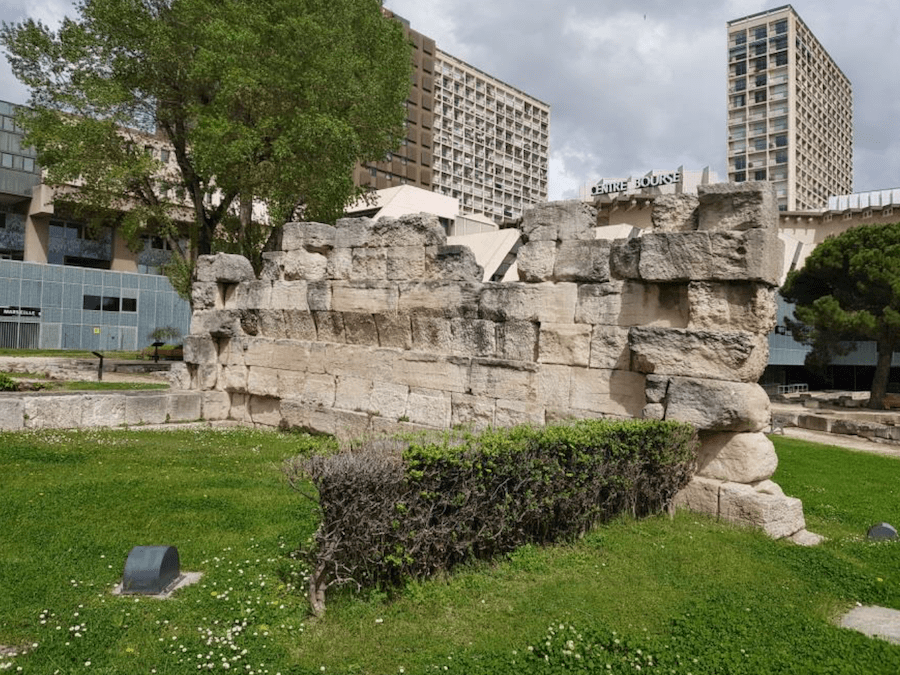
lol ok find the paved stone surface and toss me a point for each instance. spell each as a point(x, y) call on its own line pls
point(878, 622)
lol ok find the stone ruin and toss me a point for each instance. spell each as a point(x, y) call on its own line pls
point(380, 327)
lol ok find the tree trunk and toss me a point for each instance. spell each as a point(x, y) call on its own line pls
point(882, 374)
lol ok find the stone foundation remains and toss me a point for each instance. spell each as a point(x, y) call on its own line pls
point(380, 326)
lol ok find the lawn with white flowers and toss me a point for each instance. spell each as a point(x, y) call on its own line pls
point(661, 595)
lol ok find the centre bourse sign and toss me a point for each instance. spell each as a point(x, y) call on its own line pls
point(605, 187)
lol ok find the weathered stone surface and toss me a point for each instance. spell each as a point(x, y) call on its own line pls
point(731, 355)
point(199, 349)
point(360, 329)
point(223, 268)
point(517, 340)
point(701, 495)
point(473, 337)
point(248, 295)
point(675, 213)
point(353, 232)
point(613, 392)
point(203, 376)
point(103, 410)
point(319, 390)
point(581, 260)
point(303, 265)
point(546, 302)
point(290, 295)
point(178, 376)
point(440, 298)
point(217, 323)
point(314, 237)
point(631, 303)
point(416, 369)
point(609, 348)
point(286, 354)
point(716, 405)
point(654, 411)
point(291, 383)
point(206, 295)
point(625, 258)
point(561, 220)
point(512, 413)
point(432, 334)
point(262, 381)
point(806, 538)
point(271, 323)
point(394, 330)
point(372, 363)
point(503, 379)
point(389, 400)
point(265, 411)
point(476, 412)
point(777, 515)
point(736, 457)
point(318, 296)
point(353, 393)
point(535, 261)
point(339, 264)
point(272, 266)
point(656, 388)
point(365, 297)
point(429, 407)
point(215, 405)
point(368, 264)
point(240, 408)
point(329, 326)
point(732, 306)
point(817, 423)
point(405, 263)
point(415, 229)
point(454, 263)
point(554, 386)
point(298, 324)
point(184, 406)
point(233, 379)
point(567, 344)
point(738, 206)
point(146, 409)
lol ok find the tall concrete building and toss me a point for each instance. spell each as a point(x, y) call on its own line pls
point(790, 111)
point(470, 136)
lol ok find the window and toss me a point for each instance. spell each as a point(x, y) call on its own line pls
point(781, 59)
point(738, 100)
point(28, 164)
point(739, 38)
point(759, 49)
point(758, 175)
point(779, 43)
point(92, 302)
point(740, 163)
point(164, 156)
point(740, 177)
point(761, 80)
point(2, 221)
point(759, 144)
point(761, 63)
point(759, 96)
point(759, 33)
point(781, 157)
point(740, 68)
point(740, 84)
point(781, 140)
point(6, 160)
point(110, 304)
point(129, 304)
point(781, 27)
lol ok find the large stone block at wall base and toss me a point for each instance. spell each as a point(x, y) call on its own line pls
point(716, 405)
point(215, 405)
point(738, 206)
point(184, 406)
point(265, 411)
point(513, 413)
point(12, 414)
point(732, 306)
point(764, 506)
point(517, 340)
point(611, 392)
point(388, 400)
point(365, 297)
point(535, 261)
point(224, 268)
point(199, 349)
point(240, 408)
point(554, 386)
point(565, 344)
point(353, 393)
point(731, 355)
point(416, 369)
point(143, 409)
point(544, 302)
point(736, 457)
point(439, 298)
point(104, 410)
point(498, 378)
point(609, 348)
point(262, 381)
point(476, 412)
point(701, 495)
point(371, 363)
point(631, 303)
point(429, 407)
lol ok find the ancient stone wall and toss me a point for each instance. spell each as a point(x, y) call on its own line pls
point(379, 326)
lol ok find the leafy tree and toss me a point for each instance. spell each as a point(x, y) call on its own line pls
point(260, 102)
point(848, 290)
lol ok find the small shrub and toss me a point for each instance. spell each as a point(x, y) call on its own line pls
point(395, 509)
point(7, 383)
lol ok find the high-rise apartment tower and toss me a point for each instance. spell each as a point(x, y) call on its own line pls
point(790, 111)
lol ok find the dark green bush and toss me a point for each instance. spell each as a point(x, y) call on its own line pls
point(394, 510)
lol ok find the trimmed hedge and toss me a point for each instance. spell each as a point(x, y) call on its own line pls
point(396, 509)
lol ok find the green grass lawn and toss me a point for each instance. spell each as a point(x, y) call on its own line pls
point(671, 595)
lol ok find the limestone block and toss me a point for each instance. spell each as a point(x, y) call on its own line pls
point(146, 409)
point(231, 350)
point(185, 406)
point(204, 376)
point(429, 407)
point(625, 258)
point(736, 457)
point(732, 355)
point(738, 206)
point(614, 392)
point(271, 323)
point(512, 413)
point(394, 330)
point(675, 213)
point(388, 400)
point(517, 340)
point(586, 261)
point(369, 298)
point(432, 334)
point(439, 298)
point(777, 515)
point(560, 220)
point(535, 261)
point(104, 410)
point(206, 295)
point(298, 324)
point(405, 263)
point(716, 405)
point(290, 383)
point(240, 408)
point(566, 344)
point(473, 337)
point(223, 268)
point(359, 329)
point(475, 412)
point(216, 322)
point(350, 425)
point(262, 381)
point(199, 349)
point(339, 264)
point(630, 303)
point(314, 237)
point(215, 405)
point(329, 326)
point(265, 411)
point(178, 376)
point(701, 495)
point(319, 390)
point(283, 354)
point(545, 302)
point(415, 229)
point(820, 423)
point(233, 379)
point(272, 266)
point(806, 538)
point(249, 321)
point(289, 295)
point(751, 255)
point(318, 296)
point(302, 265)
point(372, 363)
point(654, 411)
point(353, 393)
point(609, 348)
point(730, 306)
point(554, 386)
point(418, 369)
point(248, 295)
point(498, 378)
point(368, 264)
point(353, 232)
point(453, 263)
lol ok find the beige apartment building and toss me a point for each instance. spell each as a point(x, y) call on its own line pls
point(790, 111)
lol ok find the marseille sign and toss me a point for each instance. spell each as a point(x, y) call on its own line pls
point(605, 187)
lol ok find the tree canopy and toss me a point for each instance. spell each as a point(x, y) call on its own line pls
point(260, 101)
point(849, 290)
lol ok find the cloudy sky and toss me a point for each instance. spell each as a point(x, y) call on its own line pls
point(638, 85)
